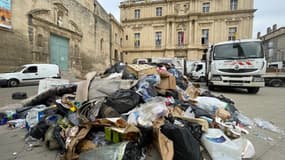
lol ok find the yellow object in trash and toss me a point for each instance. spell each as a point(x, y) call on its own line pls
point(72, 107)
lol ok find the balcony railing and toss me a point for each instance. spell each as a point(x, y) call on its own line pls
point(181, 46)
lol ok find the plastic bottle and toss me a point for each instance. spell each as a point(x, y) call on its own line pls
point(220, 147)
point(35, 115)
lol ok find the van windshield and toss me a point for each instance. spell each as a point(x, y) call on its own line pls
point(240, 50)
point(18, 69)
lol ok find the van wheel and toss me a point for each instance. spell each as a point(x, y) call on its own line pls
point(252, 90)
point(275, 83)
point(13, 83)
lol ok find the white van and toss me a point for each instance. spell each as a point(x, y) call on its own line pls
point(29, 73)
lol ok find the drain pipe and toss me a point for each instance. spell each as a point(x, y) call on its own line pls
point(111, 44)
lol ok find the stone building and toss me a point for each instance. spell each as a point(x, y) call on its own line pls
point(274, 44)
point(182, 28)
point(117, 35)
point(74, 34)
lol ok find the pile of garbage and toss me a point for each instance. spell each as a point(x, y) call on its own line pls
point(129, 110)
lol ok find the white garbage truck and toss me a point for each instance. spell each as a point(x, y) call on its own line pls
point(239, 63)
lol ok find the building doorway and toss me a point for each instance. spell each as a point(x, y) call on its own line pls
point(59, 49)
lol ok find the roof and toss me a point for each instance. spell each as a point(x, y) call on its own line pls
point(273, 34)
point(243, 40)
point(28, 65)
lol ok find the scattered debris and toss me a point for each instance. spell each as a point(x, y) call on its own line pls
point(122, 113)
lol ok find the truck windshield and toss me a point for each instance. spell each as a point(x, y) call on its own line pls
point(239, 50)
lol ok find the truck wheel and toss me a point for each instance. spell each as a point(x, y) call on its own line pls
point(211, 87)
point(13, 83)
point(252, 90)
point(275, 83)
point(202, 79)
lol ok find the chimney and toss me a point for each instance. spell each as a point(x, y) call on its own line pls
point(258, 35)
point(274, 27)
point(268, 30)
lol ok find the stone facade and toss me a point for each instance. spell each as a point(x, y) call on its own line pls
point(117, 35)
point(274, 44)
point(182, 28)
point(83, 23)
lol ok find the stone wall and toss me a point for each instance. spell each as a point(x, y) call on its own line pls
point(83, 24)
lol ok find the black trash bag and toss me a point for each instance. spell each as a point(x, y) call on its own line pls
point(116, 68)
point(47, 96)
point(225, 99)
point(195, 128)
point(59, 139)
point(127, 75)
point(23, 111)
point(39, 130)
point(181, 84)
point(185, 145)
point(199, 112)
point(133, 151)
point(108, 112)
point(146, 137)
point(172, 93)
point(19, 95)
point(123, 100)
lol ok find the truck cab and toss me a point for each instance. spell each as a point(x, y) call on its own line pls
point(198, 71)
point(238, 64)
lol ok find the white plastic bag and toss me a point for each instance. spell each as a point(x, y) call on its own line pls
point(210, 104)
point(148, 112)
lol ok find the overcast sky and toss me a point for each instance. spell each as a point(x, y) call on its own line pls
point(268, 12)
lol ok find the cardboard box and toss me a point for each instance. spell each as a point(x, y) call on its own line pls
point(140, 70)
point(167, 83)
point(162, 143)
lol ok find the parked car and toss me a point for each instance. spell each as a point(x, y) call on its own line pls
point(29, 73)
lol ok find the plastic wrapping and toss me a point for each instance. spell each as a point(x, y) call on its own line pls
point(244, 120)
point(220, 147)
point(146, 86)
point(175, 73)
point(35, 115)
point(111, 152)
point(99, 139)
point(189, 113)
point(18, 123)
point(267, 125)
point(210, 104)
point(153, 79)
point(148, 112)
